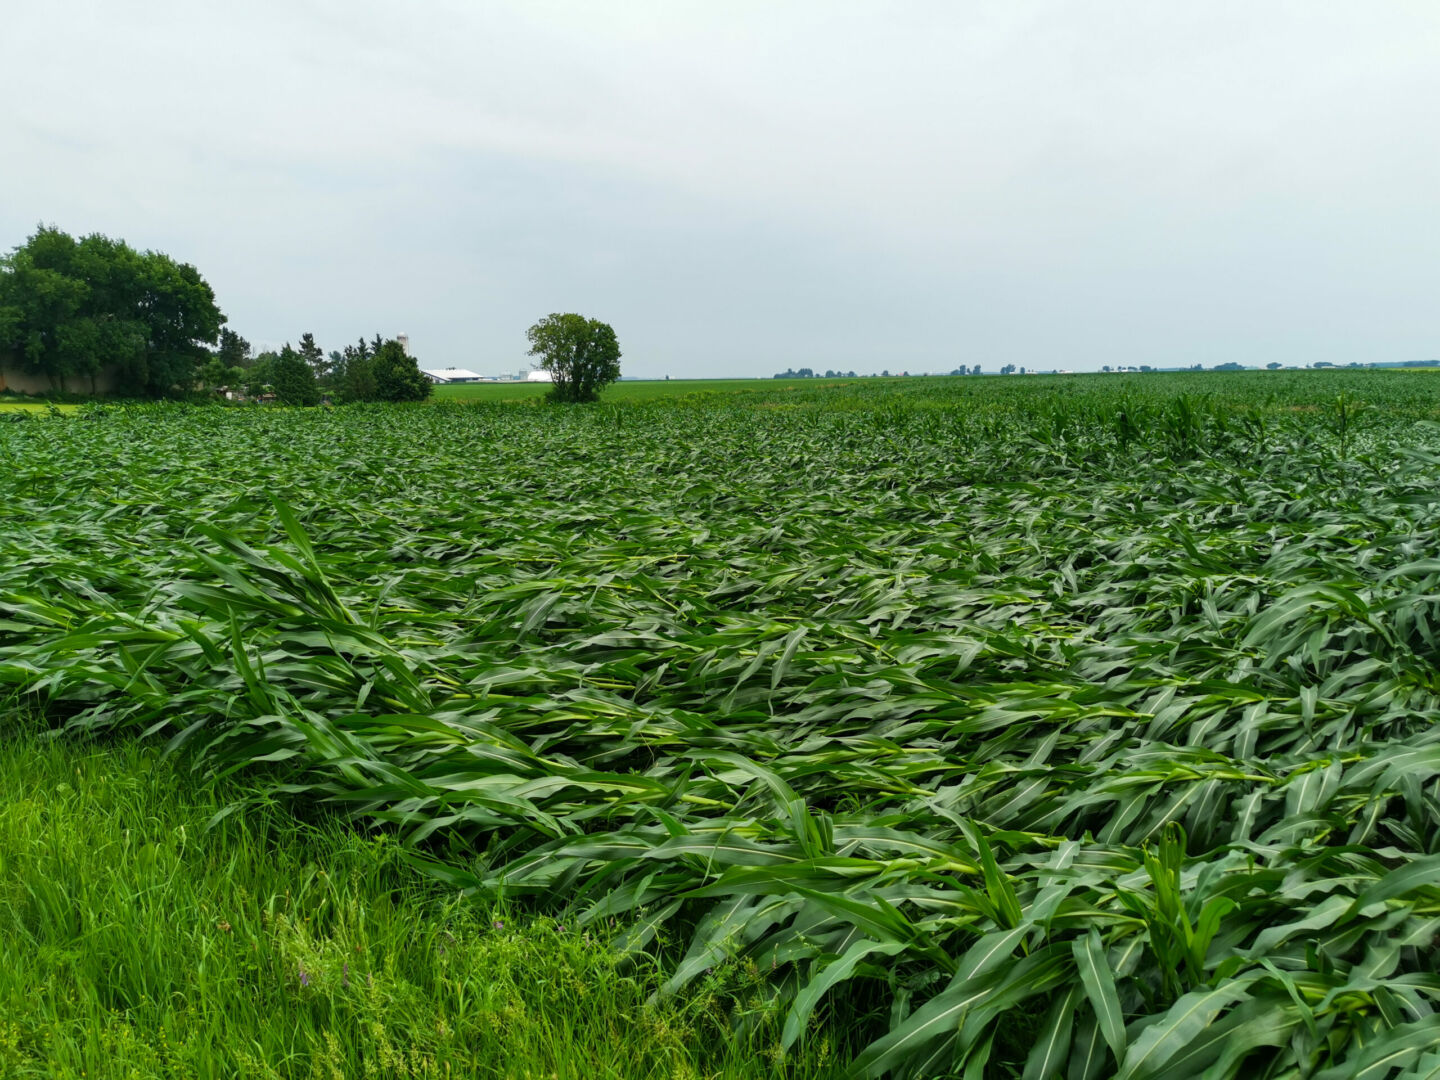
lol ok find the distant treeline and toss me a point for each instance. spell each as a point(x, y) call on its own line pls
point(809, 373)
point(1011, 369)
point(376, 370)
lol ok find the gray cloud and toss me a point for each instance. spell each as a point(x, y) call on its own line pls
point(743, 187)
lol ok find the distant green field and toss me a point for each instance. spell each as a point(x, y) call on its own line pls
point(638, 390)
point(1408, 391)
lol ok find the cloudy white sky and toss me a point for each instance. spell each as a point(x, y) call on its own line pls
point(746, 186)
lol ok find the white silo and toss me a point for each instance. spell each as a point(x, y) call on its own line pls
point(404, 340)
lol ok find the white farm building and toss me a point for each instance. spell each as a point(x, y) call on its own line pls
point(451, 375)
point(464, 375)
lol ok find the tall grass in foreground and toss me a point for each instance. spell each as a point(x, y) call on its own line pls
point(134, 943)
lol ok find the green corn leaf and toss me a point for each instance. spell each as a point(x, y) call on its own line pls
point(928, 1032)
point(1051, 1051)
point(1099, 983)
point(831, 974)
point(1397, 1048)
point(1181, 1025)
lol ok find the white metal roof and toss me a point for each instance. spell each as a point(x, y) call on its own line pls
point(450, 374)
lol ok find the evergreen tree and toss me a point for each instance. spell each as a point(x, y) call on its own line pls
point(354, 375)
point(314, 356)
point(234, 350)
point(294, 379)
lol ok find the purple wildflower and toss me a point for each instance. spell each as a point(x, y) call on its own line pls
point(304, 977)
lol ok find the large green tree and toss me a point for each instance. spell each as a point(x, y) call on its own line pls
point(397, 375)
point(71, 309)
point(582, 355)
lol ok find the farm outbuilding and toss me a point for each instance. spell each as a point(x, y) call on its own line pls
point(451, 375)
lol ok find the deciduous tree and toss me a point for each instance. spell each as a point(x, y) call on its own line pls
point(397, 377)
point(582, 355)
point(215, 373)
point(258, 375)
point(73, 308)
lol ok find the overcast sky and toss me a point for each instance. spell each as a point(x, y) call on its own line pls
point(742, 187)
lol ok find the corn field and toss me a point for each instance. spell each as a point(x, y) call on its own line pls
point(1052, 728)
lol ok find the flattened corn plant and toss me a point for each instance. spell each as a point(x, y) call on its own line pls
point(1068, 729)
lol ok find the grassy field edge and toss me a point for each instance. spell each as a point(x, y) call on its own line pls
point(137, 942)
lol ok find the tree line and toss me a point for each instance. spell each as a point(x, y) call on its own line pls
point(809, 373)
point(376, 370)
point(76, 311)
